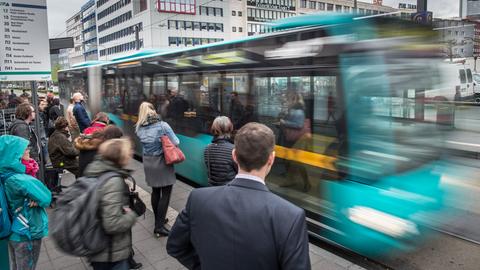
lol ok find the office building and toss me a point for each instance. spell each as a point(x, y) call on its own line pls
point(89, 31)
point(114, 28)
point(74, 30)
point(458, 36)
point(165, 24)
point(260, 12)
point(343, 6)
point(470, 9)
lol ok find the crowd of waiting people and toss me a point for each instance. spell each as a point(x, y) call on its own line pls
point(70, 140)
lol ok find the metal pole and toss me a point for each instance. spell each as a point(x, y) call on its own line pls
point(37, 131)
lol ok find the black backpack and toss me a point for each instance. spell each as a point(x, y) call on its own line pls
point(76, 226)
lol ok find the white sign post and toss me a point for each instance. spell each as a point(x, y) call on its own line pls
point(24, 45)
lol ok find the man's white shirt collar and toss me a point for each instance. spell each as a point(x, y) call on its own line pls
point(250, 177)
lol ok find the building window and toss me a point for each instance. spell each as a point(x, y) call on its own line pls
point(113, 8)
point(101, 2)
point(234, 13)
point(190, 41)
point(303, 3)
point(115, 21)
point(239, 14)
point(124, 32)
point(240, 29)
point(312, 5)
point(338, 8)
point(330, 7)
point(211, 11)
point(234, 29)
point(177, 6)
point(321, 6)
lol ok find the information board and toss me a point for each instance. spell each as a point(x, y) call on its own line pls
point(24, 47)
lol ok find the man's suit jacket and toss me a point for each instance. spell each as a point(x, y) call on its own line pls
point(239, 226)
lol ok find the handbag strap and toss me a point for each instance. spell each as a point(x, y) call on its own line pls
point(163, 129)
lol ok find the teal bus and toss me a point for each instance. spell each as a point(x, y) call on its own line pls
point(365, 162)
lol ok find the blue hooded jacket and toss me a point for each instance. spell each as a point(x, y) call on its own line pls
point(21, 186)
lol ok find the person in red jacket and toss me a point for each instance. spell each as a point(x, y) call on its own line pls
point(100, 121)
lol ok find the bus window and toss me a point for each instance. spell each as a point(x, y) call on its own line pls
point(111, 96)
point(147, 89)
point(235, 99)
point(211, 88)
point(160, 95)
point(134, 90)
point(177, 104)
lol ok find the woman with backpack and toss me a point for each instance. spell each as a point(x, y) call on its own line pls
point(27, 199)
point(160, 176)
point(116, 217)
point(221, 168)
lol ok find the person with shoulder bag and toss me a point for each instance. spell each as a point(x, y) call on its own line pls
point(157, 136)
point(104, 203)
point(221, 169)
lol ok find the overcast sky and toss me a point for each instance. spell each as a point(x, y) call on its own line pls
point(60, 10)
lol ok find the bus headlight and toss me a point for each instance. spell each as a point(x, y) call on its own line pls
point(381, 221)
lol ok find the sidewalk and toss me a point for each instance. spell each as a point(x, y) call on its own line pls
point(151, 251)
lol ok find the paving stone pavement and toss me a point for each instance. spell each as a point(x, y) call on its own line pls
point(151, 251)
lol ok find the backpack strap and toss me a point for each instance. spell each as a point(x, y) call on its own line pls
point(102, 179)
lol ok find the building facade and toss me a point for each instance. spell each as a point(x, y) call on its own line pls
point(74, 29)
point(123, 26)
point(260, 12)
point(343, 6)
point(113, 28)
point(458, 36)
point(470, 9)
point(89, 31)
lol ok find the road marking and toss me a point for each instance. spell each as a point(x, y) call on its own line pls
point(146, 196)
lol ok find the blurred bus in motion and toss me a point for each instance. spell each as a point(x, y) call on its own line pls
point(344, 96)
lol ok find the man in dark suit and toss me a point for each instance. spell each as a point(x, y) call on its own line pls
point(242, 225)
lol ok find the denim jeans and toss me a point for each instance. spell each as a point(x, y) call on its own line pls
point(24, 255)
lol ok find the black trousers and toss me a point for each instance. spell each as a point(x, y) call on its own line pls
point(160, 201)
point(120, 265)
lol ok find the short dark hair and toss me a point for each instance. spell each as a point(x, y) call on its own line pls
point(112, 132)
point(23, 111)
point(56, 102)
point(61, 123)
point(254, 143)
